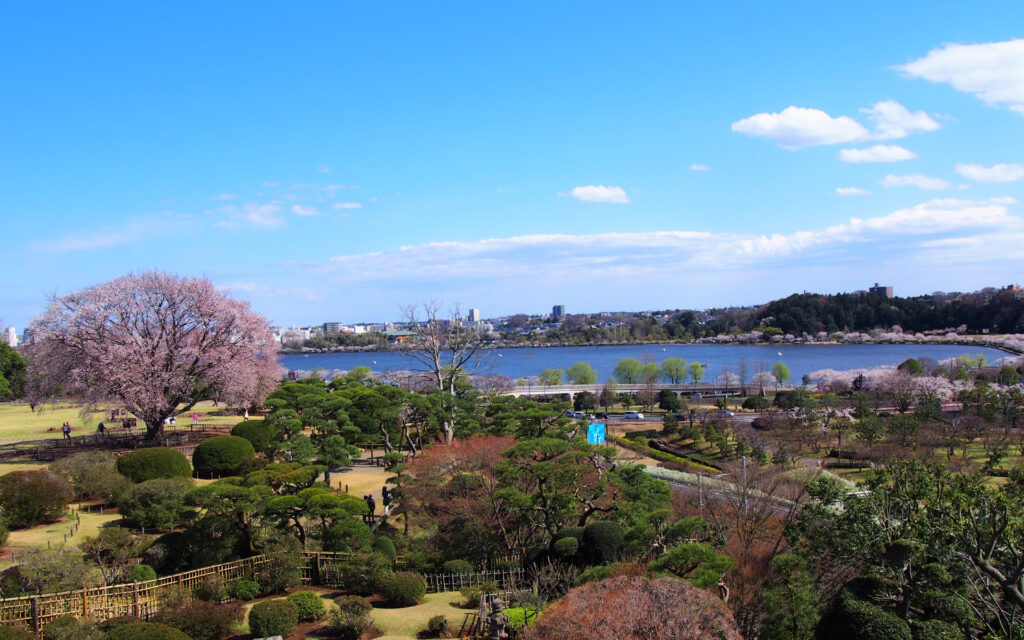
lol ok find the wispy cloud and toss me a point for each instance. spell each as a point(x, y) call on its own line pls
point(699, 167)
point(301, 210)
point(877, 153)
point(846, 192)
point(225, 196)
point(600, 193)
point(347, 205)
point(991, 71)
point(135, 230)
point(323, 169)
point(995, 173)
point(670, 253)
point(893, 120)
point(252, 214)
point(917, 180)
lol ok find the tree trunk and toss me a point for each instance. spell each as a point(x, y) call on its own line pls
point(386, 440)
point(155, 432)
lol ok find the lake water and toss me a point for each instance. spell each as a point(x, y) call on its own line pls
point(530, 361)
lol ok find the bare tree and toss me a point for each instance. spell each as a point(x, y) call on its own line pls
point(446, 350)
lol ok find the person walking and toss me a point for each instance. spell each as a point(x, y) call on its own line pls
point(67, 430)
point(195, 419)
point(372, 504)
point(385, 496)
point(100, 428)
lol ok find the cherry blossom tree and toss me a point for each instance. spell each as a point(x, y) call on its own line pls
point(154, 342)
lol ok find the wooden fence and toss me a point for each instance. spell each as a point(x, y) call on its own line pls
point(139, 598)
point(505, 579)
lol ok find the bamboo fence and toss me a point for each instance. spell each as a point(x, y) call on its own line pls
point(505, 579)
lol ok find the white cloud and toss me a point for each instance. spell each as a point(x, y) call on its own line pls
point(323, 169)
point(699, 167)
point(995, 173)
point(992, 71)
point(226, 196)
point(670, 254)
point(846, 192)
point(916, 180)
point(877, 153)
point(132, 231)
point(253, 214)
point(600, 193)
point(798, 127)
point(300, 210)
point(270, 184)
point(893, 120)
point(347, 205)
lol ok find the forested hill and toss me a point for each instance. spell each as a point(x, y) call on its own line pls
point(995, 310)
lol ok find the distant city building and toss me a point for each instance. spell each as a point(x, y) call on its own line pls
point(332, 327)
point(558, 310)
point(11, 335)
point(474, 315)
point(884, 292)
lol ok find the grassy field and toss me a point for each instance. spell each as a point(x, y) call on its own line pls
point(40, 536)
point(19, 422)
point(362, 480)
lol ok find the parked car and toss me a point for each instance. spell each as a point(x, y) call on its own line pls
point(633, 415)
point(722, 413)
point(602, 416)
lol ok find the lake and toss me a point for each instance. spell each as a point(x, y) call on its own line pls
point(530, 361)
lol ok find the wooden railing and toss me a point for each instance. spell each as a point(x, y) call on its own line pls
point(505, 579)
point(140, 599)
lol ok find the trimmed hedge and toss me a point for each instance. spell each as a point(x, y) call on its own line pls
point(152, 463)
point(71, 628)
point(222, 455)
point(145, 631)
point(309, 605)
point(664, 457)
point(457, 566)
point(404, 589)
point(141, 573)
point(602, 542)
point(273, 618)
point(351, 617)
point(565, 548)
point(386, 547)
point(17, 633)
point(31, 497)
point(260, 434)
point(202, 620)
point(243, 589)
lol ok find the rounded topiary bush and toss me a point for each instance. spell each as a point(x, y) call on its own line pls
point(141, 573)
point(309, 604)
point(243, 589)
point(457, 566)
point(385, 547)
point(853, 619)
point(273, 618)
point(351, 617)
point(17, 633)
point(565, 548)
point(71, 628)
point(30, 497)
point(260, 433)
point(602, 542)
point(152, 463)
point(222, 455)
point(145, 631)
point(935, 630)
point(437, 627)
point(404, 589)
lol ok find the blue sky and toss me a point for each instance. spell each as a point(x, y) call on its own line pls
point(336, 161)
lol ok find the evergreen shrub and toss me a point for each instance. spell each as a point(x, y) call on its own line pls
point(152, 463)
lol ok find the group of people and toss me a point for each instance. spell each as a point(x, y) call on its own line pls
point(386, 497)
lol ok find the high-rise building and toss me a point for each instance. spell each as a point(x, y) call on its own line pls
point(11, 335)
point(332, 327)
point(558, 310)
point(884, 292)
point(474, 315)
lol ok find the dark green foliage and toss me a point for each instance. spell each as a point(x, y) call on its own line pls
point(518, 617)
point(213, 590)
point(31, 497)
point(791, 601)
point(352, 617)
point(4, 532)
point(16, 633)
point(853, 619)
point(222, 456)
point(437, 627)
point(669, 400)
point(756, 403)
point(457, 566)
point(404, 589)
point(602, 541)
point(141, 573)
point(72, 628)
point(361, 574)
point(154, 462)
point(347, 534)
point(145, 631)
point(201, 620)
point(911, 366)
point(155, 504)
point(565, 548)
point(309, 605)
point(697, 562)
point(93, 474)
point(935, 630)
point(243, 589)
point(386, 548)
point(594, 574)
point(261, 434)
point(273, 618)
point(282, 568)
point(113, 623)
point(471, 595)
point(12, 373)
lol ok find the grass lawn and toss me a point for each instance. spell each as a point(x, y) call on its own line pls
point(405, 623)
point(362, 480)
point(18, 422)
point(54, 533)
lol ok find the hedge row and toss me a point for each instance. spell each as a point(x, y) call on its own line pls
point(664, 457)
